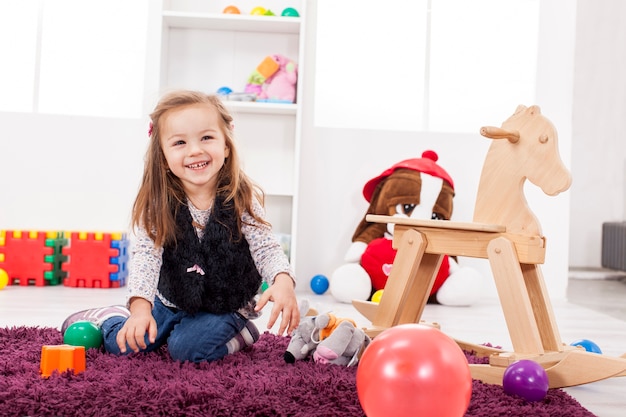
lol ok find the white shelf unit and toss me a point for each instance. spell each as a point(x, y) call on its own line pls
point(203, 49)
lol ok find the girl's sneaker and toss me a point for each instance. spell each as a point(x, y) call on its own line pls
point(95, 315)
point(245, 338)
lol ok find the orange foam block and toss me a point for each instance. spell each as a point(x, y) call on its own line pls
point(62, 358)
point(268, 67)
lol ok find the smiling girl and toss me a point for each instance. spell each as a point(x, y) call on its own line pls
point(202, 246)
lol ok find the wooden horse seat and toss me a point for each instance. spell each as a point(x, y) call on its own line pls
point(507, 233)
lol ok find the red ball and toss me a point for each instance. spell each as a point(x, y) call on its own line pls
point(413, 370)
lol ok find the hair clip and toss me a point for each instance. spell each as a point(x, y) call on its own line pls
point(150, 130)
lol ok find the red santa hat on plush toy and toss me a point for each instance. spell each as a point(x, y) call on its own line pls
point(426, 164)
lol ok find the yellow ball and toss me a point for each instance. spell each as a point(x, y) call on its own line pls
point(377, 296)
point(4, 278)
point(258, 11)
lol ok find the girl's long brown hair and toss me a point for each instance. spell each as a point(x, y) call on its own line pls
point(161, 192)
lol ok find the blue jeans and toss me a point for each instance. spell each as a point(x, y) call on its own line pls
point(195, 338)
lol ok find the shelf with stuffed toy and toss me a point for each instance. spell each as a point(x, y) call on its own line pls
point(235, 22)
point(261, 107)
point(250, 57)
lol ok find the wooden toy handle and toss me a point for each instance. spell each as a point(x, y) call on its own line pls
point(499, 133)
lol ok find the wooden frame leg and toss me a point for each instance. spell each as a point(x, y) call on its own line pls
point(514, 297)
point(408, 286)
point(418, 292)
point(403, 272)
point(542, 308)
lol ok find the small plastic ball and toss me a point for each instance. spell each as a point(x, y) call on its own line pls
point(260, 11)
point(231, 10)
point(377, 296)
point(319, 284)
point(588, 345)
point(350, 282)
point(413, 370)
point(527, 379)
point(83, 333)
point(291, 12)
point(4, 278)
point(224, 91)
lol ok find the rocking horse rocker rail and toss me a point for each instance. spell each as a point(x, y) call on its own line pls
point(506, 232)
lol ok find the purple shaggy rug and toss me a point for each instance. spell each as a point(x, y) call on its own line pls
point(255, 382)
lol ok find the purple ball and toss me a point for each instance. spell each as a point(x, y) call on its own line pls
point(527, 379)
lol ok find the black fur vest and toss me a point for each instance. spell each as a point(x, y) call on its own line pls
point(215, 274)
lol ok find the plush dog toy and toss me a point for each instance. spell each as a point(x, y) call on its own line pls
point(416, 188)
point(328, 339)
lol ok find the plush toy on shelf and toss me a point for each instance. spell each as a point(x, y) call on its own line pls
point(274, 80)
point(280, 87)
point(416, 188)
point(261, 73)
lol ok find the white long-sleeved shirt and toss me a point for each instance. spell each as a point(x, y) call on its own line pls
point(146, 258)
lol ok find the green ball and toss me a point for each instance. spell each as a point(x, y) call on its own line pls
point(291, 12)
point(83, 333)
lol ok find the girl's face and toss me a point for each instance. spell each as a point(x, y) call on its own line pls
point(194, 147)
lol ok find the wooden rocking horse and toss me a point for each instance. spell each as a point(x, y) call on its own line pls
point(506, 232)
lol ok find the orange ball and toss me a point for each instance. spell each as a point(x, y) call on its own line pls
point(231, 10)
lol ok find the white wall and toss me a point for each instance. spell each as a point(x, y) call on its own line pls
point(63, 172)
point(337, 162)
point(599, 114)
point(71, 173)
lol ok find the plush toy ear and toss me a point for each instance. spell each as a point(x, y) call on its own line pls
point(366, 231)
point(305, 308)
point(403, 186)
point(444, 204)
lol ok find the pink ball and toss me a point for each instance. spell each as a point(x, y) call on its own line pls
point(411, 370)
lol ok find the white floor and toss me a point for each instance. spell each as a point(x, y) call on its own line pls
point(481, 323)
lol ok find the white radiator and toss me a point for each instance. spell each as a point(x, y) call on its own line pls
point(614, 245)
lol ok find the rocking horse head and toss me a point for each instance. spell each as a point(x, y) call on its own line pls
point(525, 147)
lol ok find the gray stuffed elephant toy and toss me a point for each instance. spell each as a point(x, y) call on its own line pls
point(330, 340)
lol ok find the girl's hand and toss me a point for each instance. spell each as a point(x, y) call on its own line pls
point(283, 294)
point(134, 330)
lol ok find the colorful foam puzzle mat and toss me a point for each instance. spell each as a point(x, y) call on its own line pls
point(74, 259)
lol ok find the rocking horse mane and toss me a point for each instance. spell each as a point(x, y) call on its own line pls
point(525, 147)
